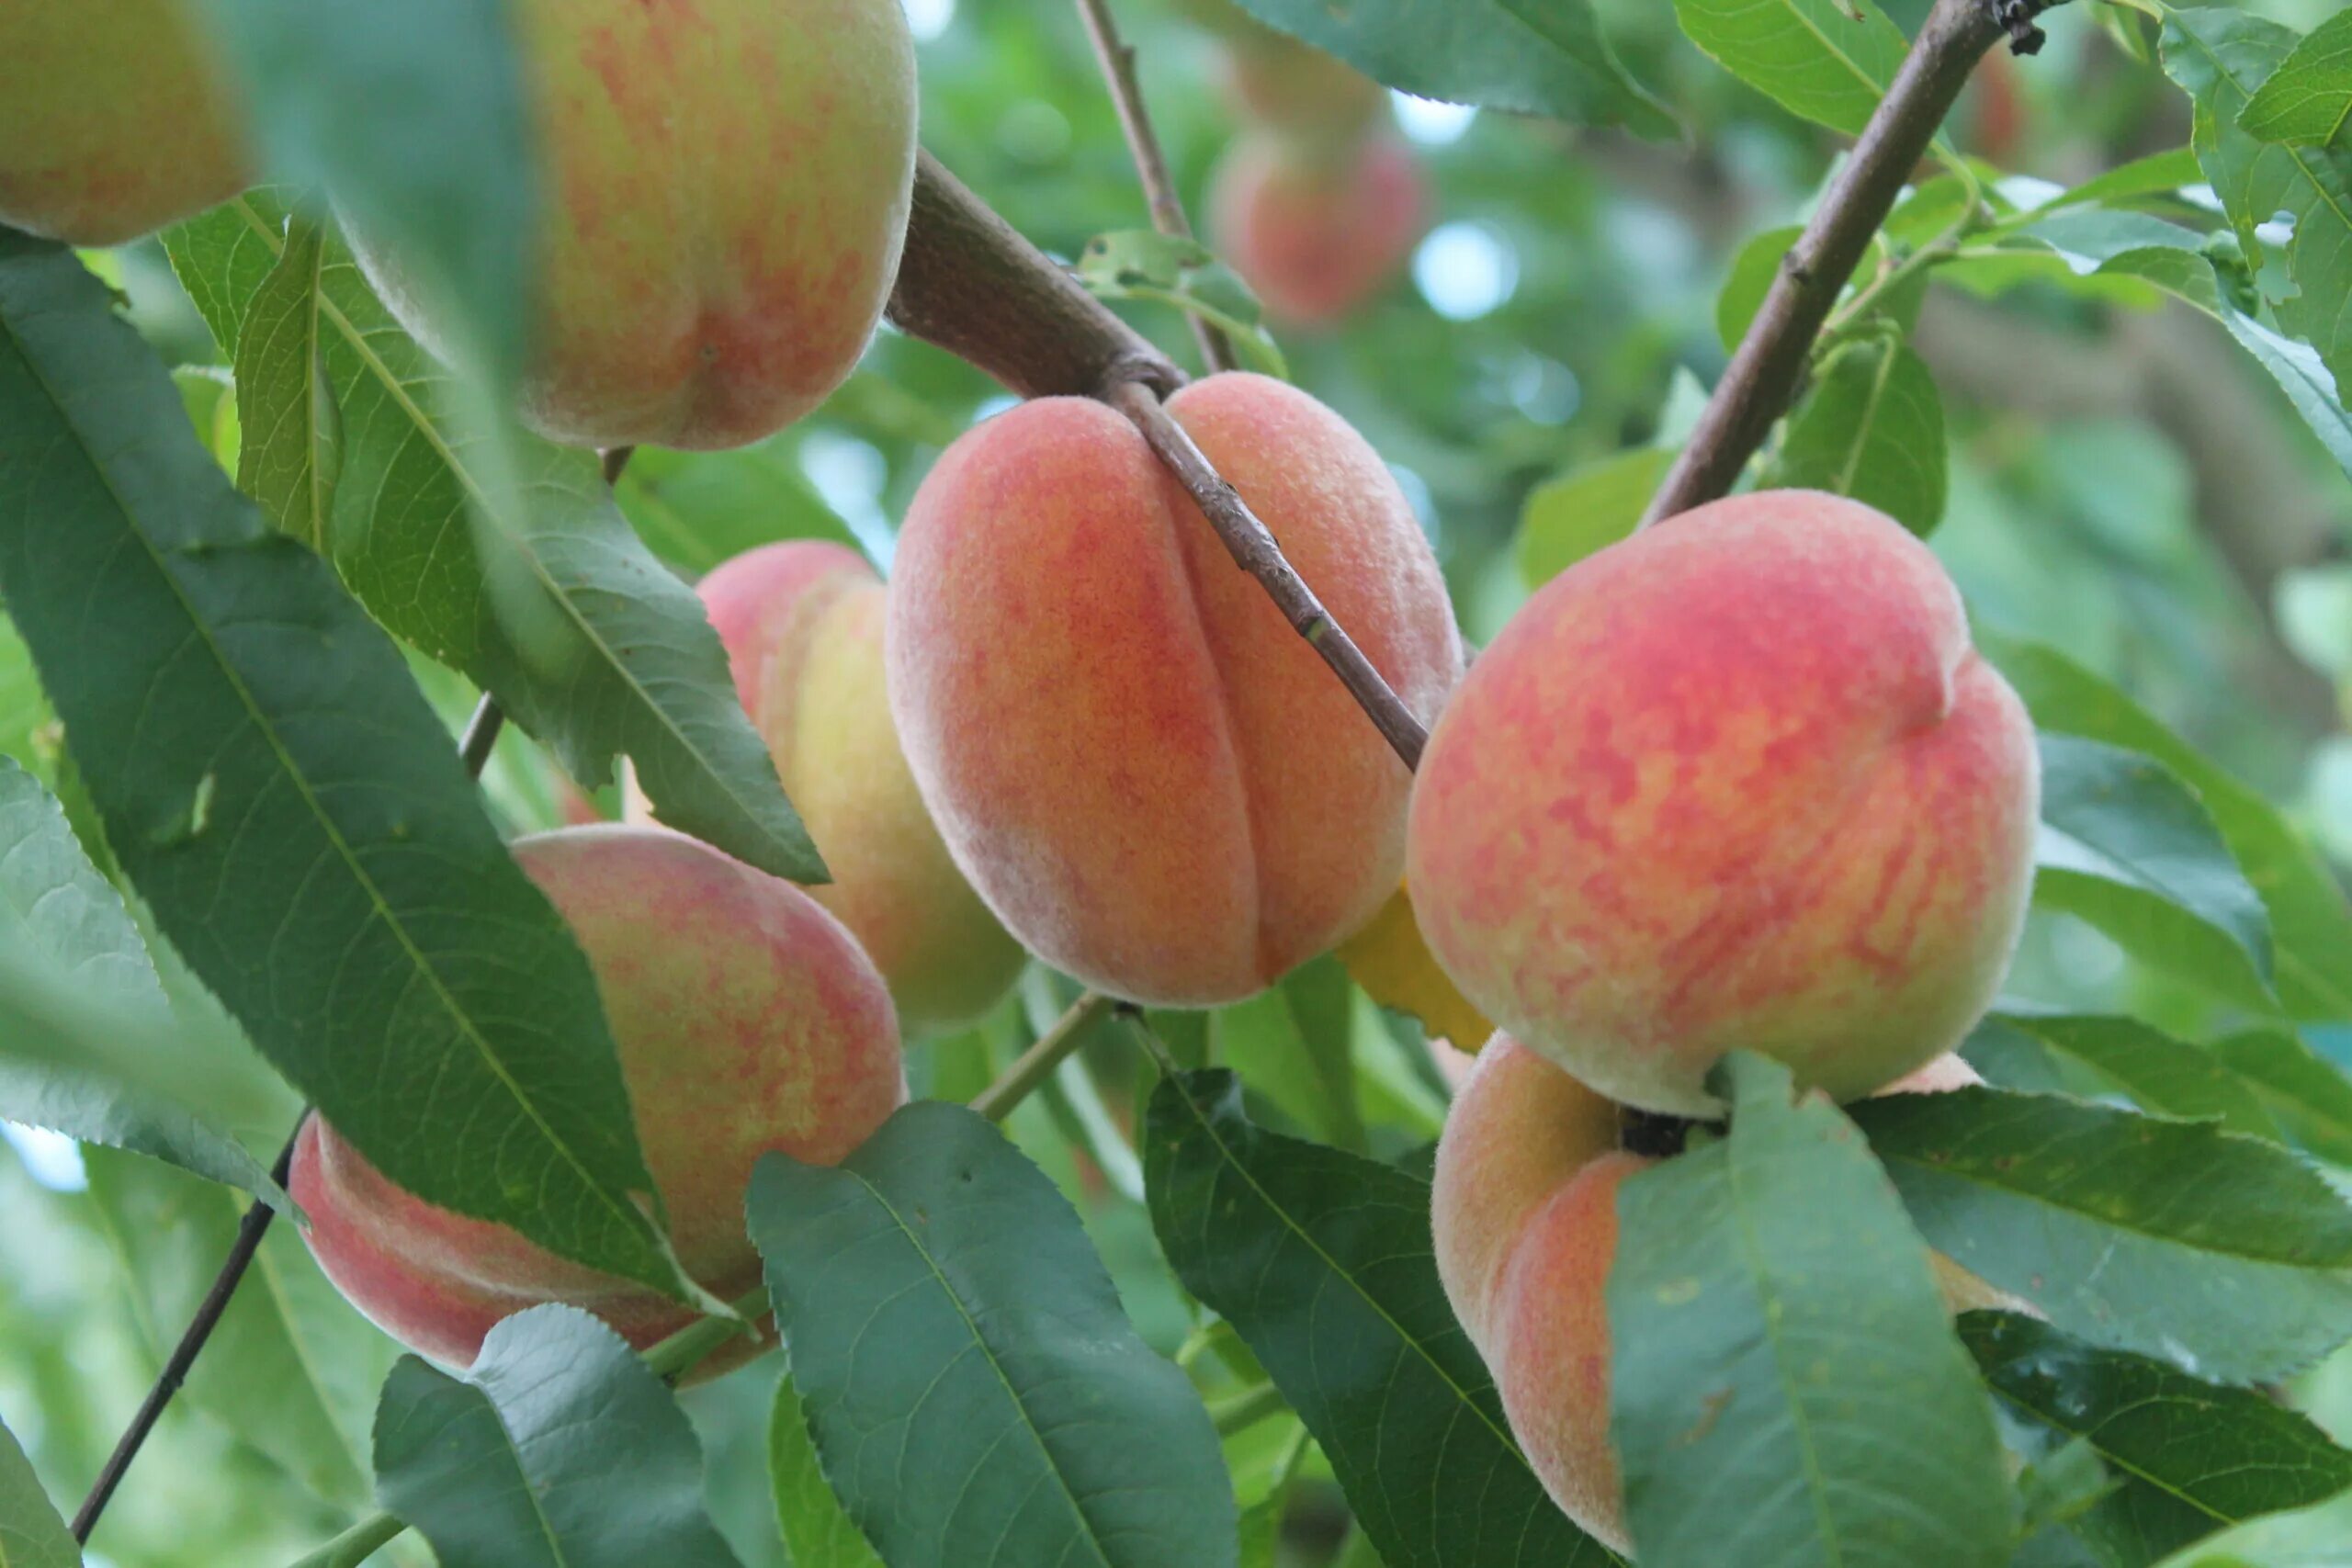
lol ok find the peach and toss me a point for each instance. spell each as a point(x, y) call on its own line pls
point(746, 1021)
point(1524, 1214)
point(1739, 780)
point(1297, 89)
point(115, 120)
point(1317, 232)
point(803, 625)
point(1150, 778)
point(724, 194)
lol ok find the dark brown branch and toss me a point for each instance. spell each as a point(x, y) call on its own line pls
point(970, 283)
point(1762, 379)
point(1255, 551)
point(1118, 62)
point(250, 1231)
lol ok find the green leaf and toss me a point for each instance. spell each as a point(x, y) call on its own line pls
point(1143, 264)
point(2159, 174)
point(1545, 57)
point(1292, 1043)
point(817, 1531)
point(2187, 1456)
point(977, 1395)
point(698, 509)
point(415, 118)
point(290, 1369)
point(1753, 270)
point(2304, 1093)
point(2166, 1076)
point(1780, 1356)
point(506, 558)
point(1826, 60)
point(55, 905)
point(2128, 848)
point(2306, 101)
point(32, 1534)
point(2310, 386)
point(558, 1449)
point(290, 431)
point(2220, 58)
point(2243, 1272)
point(2306, 1537)
point(282, 796)
point(1873, 428)
point(2310, 927)
point(24, 711)
point(1586, 510)
point(1322, 1260)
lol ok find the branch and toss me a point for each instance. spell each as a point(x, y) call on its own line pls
point(1762, 379)
point(1118, 62)
point(1037, 1062)
point(975, 288)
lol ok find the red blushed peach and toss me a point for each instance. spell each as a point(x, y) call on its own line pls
point(746, 1021)
point(1739, 780)
point(115, 120)
point(1318, 231)
point(723, 193)
point(803, 625)
point(1523, 1214)
point(1153, 780)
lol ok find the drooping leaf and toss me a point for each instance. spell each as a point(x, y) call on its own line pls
point(1873, 428)
point(1585, 510)
point(817, 1531)
point(2221, 58)
point(1826, 60)
point(558, 1449)
point(1545, 57)
point(415, 118)
point(505, 556)
point(2243, 1272)
point(281, 796)
point(1322, 1260)
point(32, 1534)
point(2184, 1458)
point(1779, 1356)
point(55, 906)
point(2169, 1076)
point(290, 1369)
point(978, 1397)
point(2306, 101)
point(2311, 926)
point(290, 431)
point(2126, 847)
point(2303, 1091)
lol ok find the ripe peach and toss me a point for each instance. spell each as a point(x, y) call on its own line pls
point(747, 1020)
point(115, 120)
point(1739, 780)
point(1315, 231)
point(803, 625)
point(1152, 780)
point(1524, 1214)
point(724, 195)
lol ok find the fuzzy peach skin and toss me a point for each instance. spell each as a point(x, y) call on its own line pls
point(1739, 780)
point(803, 625)
point(747, 1020)
point(1154, 782)
point(724, 195)
point(1524, 1214)
point(116, 118)
point(1316, 231)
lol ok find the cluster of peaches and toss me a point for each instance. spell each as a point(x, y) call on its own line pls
point(1737, 782)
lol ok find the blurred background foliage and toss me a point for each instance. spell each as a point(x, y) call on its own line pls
point(2123, 483)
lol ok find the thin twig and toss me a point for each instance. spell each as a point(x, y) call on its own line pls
point(1118, 62)
point(250, 1231)
point(1036, 1063)
point(1762, 379)
point(481, 735)
point(1255, 551)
